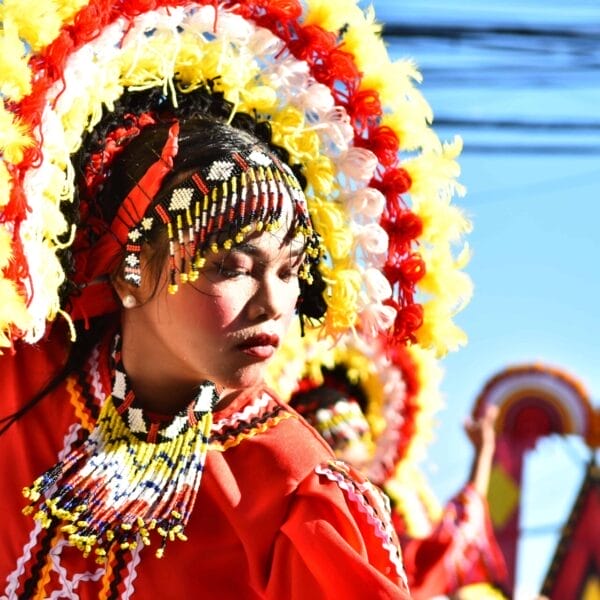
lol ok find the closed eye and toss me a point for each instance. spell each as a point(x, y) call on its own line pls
point(229, 273)
point(290, 272)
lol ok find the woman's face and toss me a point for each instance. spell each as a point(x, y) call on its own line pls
point(225, 326)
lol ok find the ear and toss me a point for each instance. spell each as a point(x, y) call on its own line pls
point(129, 294)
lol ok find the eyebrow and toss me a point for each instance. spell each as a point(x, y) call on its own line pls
point(252, 250)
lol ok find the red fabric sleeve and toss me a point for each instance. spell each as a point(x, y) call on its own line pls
point(460, 551)
point(330, 546)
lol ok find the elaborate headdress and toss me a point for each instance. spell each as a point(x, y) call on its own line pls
point(316, 75)
point(320, 75)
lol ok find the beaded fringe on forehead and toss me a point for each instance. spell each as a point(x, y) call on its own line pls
point(217, 207)
point(130, 478)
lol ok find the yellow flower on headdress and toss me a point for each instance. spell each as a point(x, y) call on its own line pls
point(16, 77)
point(410, 121)
point(14, 136)
point(329, 220)
point(289, 130)
point(434, 172)
point(445, 277)
point(320, 175)
point(38, 22)
point(439, 330)
point(12, 310)
point(342, 297)
point(332, 15)
point(364, 41)
point(5, 185)
point(259, 97)
point(67, 9)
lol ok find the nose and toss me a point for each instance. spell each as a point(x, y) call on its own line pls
point(272, 299)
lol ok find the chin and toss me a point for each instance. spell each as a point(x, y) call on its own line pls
point(245, 378)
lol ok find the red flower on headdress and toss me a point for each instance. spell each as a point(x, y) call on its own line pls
point(405, 272)
point(408, 319)
point(138, 7)
point(365, 110)
point(268, 13)
point(338, 67)
point(384, 142)
point(403, 227)
point(394, 183)
point(313, 44)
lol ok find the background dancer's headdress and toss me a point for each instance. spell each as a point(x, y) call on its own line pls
point(378, 181)
point(382, 398)
point(395, 387)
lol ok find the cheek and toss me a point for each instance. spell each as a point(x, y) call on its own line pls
point(214, 314)
point(293, 294)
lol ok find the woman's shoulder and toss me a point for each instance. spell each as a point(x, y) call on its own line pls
point(265, 428)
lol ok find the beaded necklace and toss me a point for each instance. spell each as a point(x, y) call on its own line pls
point(134, 474)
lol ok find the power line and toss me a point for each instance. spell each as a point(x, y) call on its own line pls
point(539, 149)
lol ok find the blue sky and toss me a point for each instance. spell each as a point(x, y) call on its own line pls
point(528, 109)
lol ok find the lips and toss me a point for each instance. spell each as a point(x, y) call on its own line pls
point(260, 346)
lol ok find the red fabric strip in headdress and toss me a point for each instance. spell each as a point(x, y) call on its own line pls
point(96, 296)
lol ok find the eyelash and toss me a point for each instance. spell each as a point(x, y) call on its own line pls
point(234, 273)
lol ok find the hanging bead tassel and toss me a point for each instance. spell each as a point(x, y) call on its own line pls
point(119, 487)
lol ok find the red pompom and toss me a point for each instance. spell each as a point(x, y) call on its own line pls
point(405, 272)
point(313, 44)
point(402, 230)
point(408, 319)
point(383, 141)
point(365, 110)
point(394, 182)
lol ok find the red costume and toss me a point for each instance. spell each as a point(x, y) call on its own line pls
point(273, 502)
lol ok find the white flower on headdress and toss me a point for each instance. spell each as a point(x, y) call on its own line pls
point(372, 239)
point(375, 318)
point(316, 98)
point(358, 164)
point(235, 27)
point(289, 76)
point(367, 201)
point(393, 383)
point(264, 43)
point(154, 20)
point(377, 286)
point(336, 124)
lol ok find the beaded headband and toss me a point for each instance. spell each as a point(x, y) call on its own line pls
point(231, 196)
